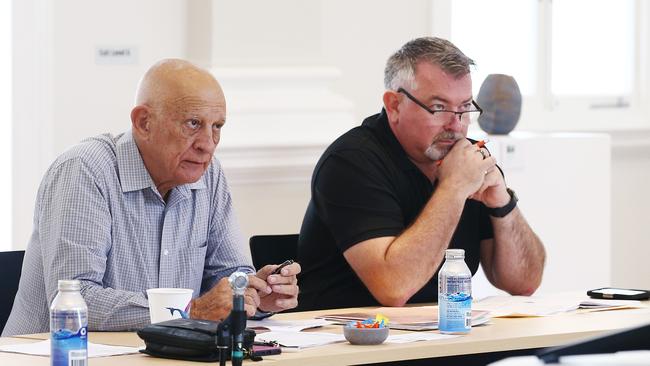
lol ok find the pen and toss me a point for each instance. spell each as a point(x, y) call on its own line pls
point(479, 144)
point(284, 264)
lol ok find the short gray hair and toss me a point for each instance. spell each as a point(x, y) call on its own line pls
point(400, 67)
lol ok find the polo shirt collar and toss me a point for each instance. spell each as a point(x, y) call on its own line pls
point(134, 176)
point(386, 135)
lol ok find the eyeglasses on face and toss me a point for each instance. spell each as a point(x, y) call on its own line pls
point(442, 116)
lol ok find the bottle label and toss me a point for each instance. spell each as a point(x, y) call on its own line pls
point(455, 306)
point(77, 357)
point(69, 342)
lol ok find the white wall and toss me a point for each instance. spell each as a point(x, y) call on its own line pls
point(91, 98)
point(358, 37)
point(354, 36)
point(62, 96)
point(630, 206)
point(557, 176)
point(6, 140)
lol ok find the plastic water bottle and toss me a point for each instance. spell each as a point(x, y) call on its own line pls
point(69, 326)
point(455, 294)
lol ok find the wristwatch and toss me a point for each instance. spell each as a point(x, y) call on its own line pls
point(504, 210)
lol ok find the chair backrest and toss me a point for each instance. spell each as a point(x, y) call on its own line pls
point(11, 264)
point(273, 249)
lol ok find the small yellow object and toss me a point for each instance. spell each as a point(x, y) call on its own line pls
point(381, 319)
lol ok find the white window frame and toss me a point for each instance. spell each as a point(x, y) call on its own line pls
point(544, 112)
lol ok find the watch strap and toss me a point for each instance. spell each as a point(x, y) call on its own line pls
point(504, 210)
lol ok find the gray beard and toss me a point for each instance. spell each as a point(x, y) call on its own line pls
point(435, 154)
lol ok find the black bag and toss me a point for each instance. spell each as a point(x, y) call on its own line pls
point(190, 339)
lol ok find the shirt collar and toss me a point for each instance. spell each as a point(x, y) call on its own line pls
point(134, 176)
point(379, 124)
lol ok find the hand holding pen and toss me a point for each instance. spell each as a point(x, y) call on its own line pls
point(283, 283)
point(284, 264)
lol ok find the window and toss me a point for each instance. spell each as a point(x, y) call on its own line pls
point(604, 40)
point(487, 48)
point(6, 120)
point(580, 64)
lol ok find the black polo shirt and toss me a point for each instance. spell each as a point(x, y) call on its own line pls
point(363, 187)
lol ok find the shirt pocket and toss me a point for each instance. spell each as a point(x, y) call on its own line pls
point(191, 261)
point(198, 238)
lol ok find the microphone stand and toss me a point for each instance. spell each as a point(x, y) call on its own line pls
point(224, 339)
point(238, 283)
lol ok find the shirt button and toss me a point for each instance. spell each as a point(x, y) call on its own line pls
point(165, 252)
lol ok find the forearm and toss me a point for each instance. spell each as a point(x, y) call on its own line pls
point(517, 255)
point(394, 270)
point(114, 310)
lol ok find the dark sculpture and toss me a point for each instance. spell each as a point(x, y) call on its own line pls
point(500, 99)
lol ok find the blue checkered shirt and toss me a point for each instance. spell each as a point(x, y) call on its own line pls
point(100, 219)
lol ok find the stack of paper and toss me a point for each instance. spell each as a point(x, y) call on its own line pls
point(295, 341)
point(287, 333)
point(524, 306)
point(299, 340)
point(527, 306)
point(406, 318)
point(286, 325)
point(602, 304)
point(42, 348)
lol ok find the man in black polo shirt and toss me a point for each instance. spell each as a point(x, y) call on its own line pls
point(389, 196)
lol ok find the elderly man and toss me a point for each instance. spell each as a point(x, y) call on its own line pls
point(389, 196)
point(148, 208)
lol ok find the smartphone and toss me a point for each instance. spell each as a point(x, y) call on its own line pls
point(619, 293)
point(259, 315)
point(261, 350)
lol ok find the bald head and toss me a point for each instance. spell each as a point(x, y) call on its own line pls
point(176, 123)
point(170, 79)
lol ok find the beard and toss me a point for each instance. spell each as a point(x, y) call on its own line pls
point(436, 152)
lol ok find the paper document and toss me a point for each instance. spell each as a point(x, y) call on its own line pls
point(287, 325)
point(530, 306)
point(405, 318)
point(42, 348)
point(603, 304)
point(297, 341)
point(524, 306)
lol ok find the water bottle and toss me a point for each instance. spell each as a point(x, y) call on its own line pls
point(455, 294)
point(69, 326)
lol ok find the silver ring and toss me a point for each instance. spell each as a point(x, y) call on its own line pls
point(482, 153)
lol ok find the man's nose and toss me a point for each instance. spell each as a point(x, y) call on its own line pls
point(453, 122)
point(207, 139)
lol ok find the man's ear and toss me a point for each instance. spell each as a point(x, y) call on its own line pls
point(141, 121)
point(391, 104)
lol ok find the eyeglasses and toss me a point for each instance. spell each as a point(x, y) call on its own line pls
point(441, 117)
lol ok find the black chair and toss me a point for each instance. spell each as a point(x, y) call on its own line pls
point(11, 264)
point(273, 249)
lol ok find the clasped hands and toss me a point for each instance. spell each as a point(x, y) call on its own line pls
point(266, 291)
point(472, 169)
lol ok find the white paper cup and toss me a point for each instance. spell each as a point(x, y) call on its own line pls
point(168, 303)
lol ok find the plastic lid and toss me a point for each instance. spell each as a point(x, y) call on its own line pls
point(69, 285)
point(455, 253)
